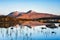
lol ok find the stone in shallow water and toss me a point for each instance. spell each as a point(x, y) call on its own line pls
point(52, 26)
point(53, 32)
point(28, 26)
point(59, 25)
point(43, 28)
point(11, 28)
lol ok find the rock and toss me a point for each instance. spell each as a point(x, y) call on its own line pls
point(11, 28)
point(59, 25)
point(53, 32)
point(43, 28)
point(28, 26)
point(51, 26)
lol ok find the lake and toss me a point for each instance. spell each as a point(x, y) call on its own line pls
point(26, 33)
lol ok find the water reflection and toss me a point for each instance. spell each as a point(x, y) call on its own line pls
point(26, 33)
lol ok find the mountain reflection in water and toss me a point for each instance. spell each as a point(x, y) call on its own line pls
point(26, 33)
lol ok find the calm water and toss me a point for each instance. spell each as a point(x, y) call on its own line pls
point(29, 34)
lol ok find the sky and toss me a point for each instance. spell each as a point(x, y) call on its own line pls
point(44, 6)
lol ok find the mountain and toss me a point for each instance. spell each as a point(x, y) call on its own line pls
point(29, 15)
point(32, 14)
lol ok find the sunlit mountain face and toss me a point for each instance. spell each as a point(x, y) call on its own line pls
point(15, 28)
point(30, 14)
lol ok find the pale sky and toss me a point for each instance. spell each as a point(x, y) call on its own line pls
point(44, 6)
